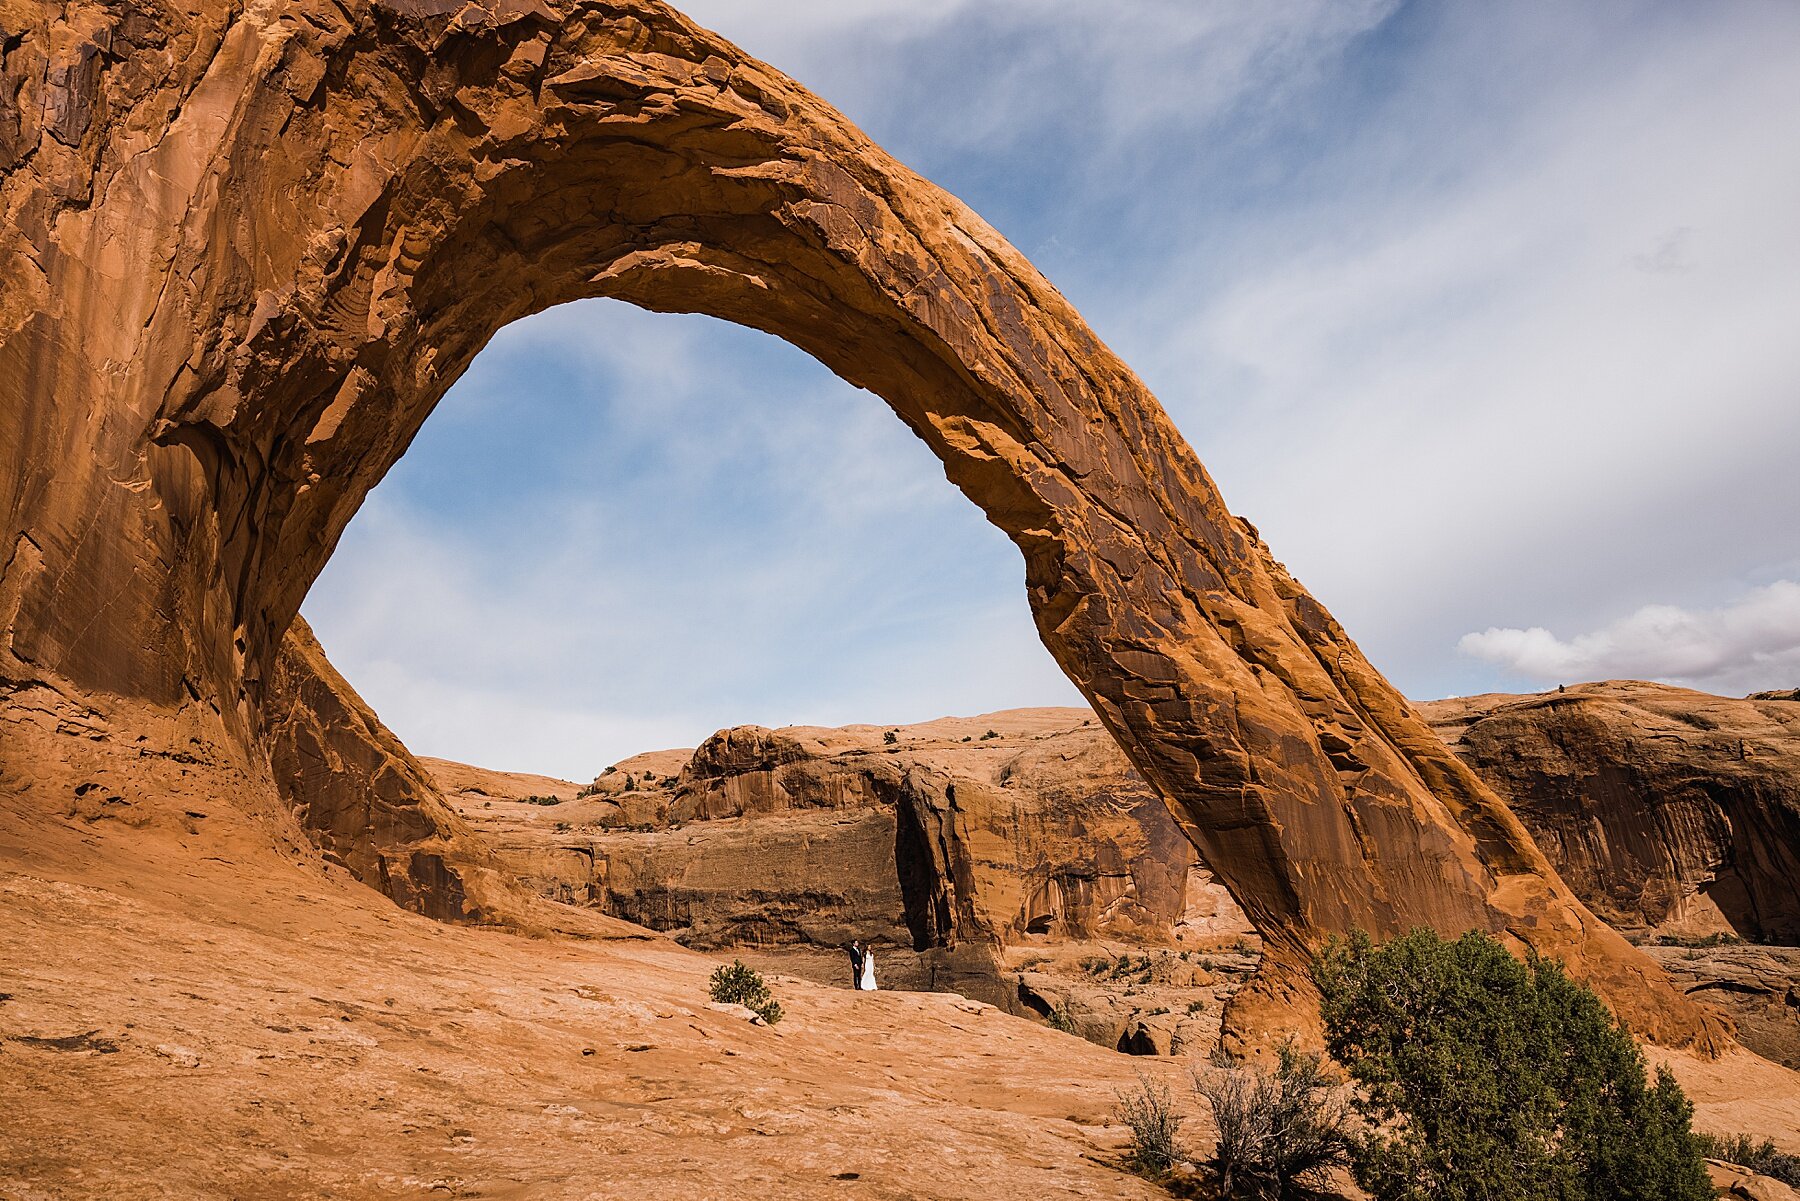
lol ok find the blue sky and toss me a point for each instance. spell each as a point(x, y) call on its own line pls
point(1484, 314)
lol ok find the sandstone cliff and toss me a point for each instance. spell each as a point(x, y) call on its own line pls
point(1665, 809)
point(370, 805)
point(1758, 988)
point(372, 808)
point(962, 849)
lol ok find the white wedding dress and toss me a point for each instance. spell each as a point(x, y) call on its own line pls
point(866, 982)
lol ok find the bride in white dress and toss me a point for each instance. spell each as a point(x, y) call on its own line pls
point(866, 981)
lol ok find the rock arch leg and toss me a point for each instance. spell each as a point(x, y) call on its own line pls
point(253, 248)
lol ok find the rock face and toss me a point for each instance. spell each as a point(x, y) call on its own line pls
point(1666, 810)
point(371, 806)
point(1758, 988)
point(955, 847)
point(247, 249)
point(373, 809)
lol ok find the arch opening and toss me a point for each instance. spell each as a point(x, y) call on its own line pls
point(622, 531)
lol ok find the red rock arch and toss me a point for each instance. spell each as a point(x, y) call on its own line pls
point(246, 254)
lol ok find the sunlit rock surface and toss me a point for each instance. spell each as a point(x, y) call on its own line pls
point(1014, 856)
point(247, 249)
point(1667, 810)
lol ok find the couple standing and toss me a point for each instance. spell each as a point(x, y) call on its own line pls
point(862, 967)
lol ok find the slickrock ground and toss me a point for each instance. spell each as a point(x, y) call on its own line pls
point(218, 1020)
point(1012, 856)
point(1667, 810)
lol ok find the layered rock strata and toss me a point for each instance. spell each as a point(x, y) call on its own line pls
point(247, 249)
point(1757, 987)
point(1667, 810)
point(963, 849)
point(368, 803)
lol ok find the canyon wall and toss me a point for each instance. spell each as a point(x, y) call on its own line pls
point(946, 845)
point(1667, 810)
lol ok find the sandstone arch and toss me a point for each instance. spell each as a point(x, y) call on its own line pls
point(247, 251)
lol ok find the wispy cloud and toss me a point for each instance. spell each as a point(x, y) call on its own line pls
point(626, 530)
point(1750, 645)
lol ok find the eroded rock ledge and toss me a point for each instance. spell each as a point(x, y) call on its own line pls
point(1015, 857)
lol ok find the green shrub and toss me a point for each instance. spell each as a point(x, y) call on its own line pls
point(890, 738)
point(1761, 1158)
point(541, 800)
point(990, 735)
point(1489, 1078)
point(1280, 1134)
point(1720, 939)
point(1133, 969)
point(740, 984)
point(1061, 1019)
point(1155, 1129)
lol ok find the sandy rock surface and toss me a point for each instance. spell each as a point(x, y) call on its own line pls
point(262, 1028)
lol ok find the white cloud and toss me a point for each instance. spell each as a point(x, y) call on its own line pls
point(1751, 645)
point(993, 72)
point(1531, 355)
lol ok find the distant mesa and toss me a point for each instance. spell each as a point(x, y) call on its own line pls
point(1789, 694)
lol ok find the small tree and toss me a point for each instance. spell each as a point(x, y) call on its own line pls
point(1489, 1078)
point(1279, 1134)
point(740, 984)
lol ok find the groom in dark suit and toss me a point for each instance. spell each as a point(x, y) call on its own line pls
point(856, 961)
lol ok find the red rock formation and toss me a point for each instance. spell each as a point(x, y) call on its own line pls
point(1758, 988)
point(1014, 857)
point(945, 843)
point(1665, 809)
point(247, 250)
point(366, 801)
